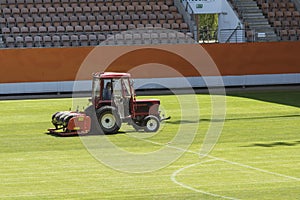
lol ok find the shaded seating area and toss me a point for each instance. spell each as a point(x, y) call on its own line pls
point(56, 23)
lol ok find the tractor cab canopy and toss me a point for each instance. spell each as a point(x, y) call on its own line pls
point(113, 88)
point(110, 75)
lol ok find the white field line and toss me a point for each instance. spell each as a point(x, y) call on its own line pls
point(255, 168)
point(173, 178)
point(227, 161)
point(213, 158)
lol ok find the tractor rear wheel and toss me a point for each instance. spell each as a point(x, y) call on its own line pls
point(109, 119)
point(152, 123)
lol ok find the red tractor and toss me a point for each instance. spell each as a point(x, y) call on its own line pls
point(113, 103)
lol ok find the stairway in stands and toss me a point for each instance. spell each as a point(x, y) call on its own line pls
point(257, 26)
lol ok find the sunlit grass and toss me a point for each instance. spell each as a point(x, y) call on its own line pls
point(256, 157)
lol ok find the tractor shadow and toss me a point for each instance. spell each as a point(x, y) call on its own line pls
point(57, 134)
point(289, 96)
point(228, 119)
point(274, 144)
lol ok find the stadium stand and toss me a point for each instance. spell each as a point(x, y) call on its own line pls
point(49, 23)
point(284, 13)
point(278, 20)
point(56, 23)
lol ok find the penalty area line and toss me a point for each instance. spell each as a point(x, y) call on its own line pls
point(255, 168)
point(174, 180)
point(173, 176)
point(224, 160)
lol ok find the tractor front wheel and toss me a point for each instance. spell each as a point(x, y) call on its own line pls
point(151, 124)
point(109, 119)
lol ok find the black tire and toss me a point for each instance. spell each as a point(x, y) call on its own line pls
point(60, 117)
point(55, 118)
point(54, 121)
point(67, 119)
point(151, 124)
point(108, 119)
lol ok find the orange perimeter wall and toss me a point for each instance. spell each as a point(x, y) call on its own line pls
point(62, 64)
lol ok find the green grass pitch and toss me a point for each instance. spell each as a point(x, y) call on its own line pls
point(256, 157)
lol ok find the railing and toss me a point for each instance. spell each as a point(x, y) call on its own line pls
point(222, 36)
point(237, 35)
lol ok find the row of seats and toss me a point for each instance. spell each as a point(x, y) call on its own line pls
point(87, 10)
point(283, 15)
point(290, 34)
point(96, 39)
point(91, 20)
point(53, 41)
point(183, 27)
point(75, 3)
point(285, 24)
point(268, 6)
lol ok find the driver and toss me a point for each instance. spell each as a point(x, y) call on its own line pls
point(107, 91)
